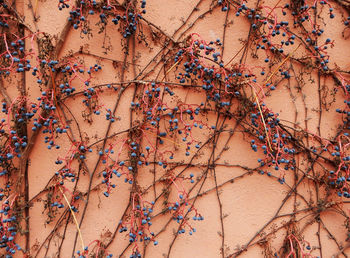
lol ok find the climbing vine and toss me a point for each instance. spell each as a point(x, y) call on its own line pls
point(153, 120)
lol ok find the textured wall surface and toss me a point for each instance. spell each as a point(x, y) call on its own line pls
point(246, 214)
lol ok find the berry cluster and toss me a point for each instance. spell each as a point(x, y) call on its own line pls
point(14, 57)
point(128, 19)
point(8, 227)
point(138, 225)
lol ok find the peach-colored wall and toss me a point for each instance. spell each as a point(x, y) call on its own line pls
point(248, 202)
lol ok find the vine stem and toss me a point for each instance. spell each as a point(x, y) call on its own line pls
point(75, 218)
point(262, 118)
point(266, 81)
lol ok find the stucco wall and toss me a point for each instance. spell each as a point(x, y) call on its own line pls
point(244, 201)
